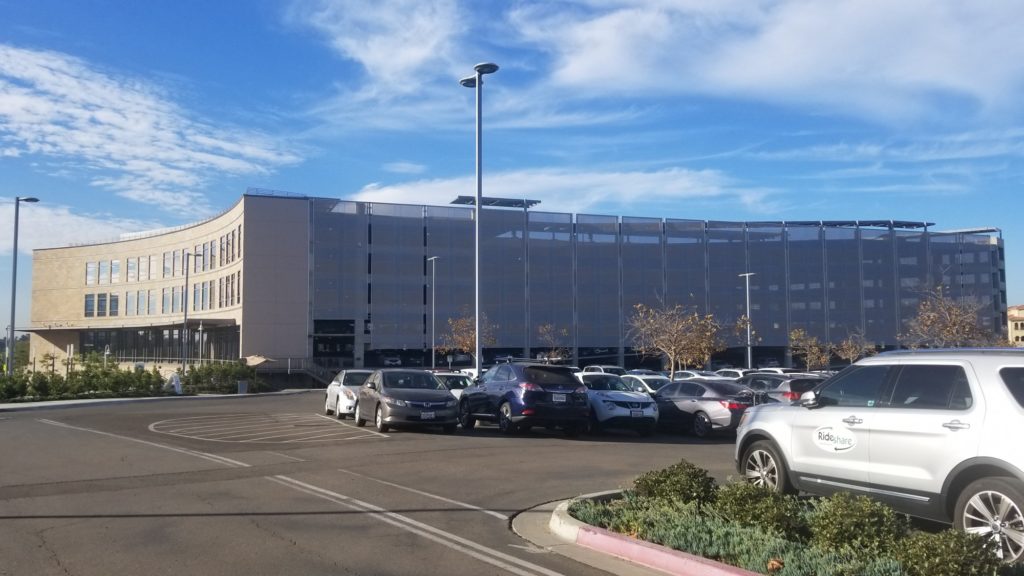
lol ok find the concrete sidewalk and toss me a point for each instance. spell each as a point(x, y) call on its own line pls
point(49, 404)
point(550, 526)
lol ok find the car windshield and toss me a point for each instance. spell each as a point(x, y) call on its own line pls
point(550, 376)
point(413, 380)
point(355, 378)
point(454, 380)
point(606, 383)
point(656, 382)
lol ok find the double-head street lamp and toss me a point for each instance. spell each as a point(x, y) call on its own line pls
point(14, 282)
point(477, 81)
point(746, 276)
point(433, 301)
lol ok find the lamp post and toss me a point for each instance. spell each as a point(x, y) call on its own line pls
point(477, 82)
point(201, 343)
point(14, 282)
point(433, 307)
point(750, 361)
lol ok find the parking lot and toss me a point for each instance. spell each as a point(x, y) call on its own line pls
point(266, 485)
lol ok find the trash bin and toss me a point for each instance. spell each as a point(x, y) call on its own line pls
point(243, 386)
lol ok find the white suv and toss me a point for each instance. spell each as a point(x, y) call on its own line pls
point(934, 433)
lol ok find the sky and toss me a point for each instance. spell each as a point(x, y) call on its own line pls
point(123, 116)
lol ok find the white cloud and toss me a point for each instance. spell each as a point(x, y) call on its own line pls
point(123, 135)
point(405, 168)
point(580, 191)
point(42, 225)
point(867, 57)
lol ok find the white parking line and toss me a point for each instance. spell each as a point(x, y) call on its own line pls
point(273, 428)
point(368, 431)
point(498, 515)
point(457, 543)
point(196, 453)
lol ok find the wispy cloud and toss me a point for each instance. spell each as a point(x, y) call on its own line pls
point(44, 225)
point(584, 191)
point(405, 168)
point(122, 134)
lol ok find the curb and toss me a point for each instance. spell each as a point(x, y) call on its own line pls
point(639, 552)
point(58, 404)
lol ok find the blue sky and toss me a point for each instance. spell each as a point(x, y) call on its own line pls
point(124, 116)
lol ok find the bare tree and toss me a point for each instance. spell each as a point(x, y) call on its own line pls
point(461, 335)
point(681, 335)
point(854, 347)
point(552, 339)
point(942, 322)
point(816, 354)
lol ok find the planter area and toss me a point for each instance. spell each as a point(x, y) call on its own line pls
point(682, 508)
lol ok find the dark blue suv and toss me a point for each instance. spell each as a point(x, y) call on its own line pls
point(520, 395)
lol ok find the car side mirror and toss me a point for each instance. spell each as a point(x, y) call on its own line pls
point(809, 399)
point(371, 385)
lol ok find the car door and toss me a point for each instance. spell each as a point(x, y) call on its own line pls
point(498, 386)
point(368, 395)
point(830, 442)
point(669, 414)
point(476, 395)
point(930, 422)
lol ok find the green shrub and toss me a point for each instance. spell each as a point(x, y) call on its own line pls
point(857, 524)
point(947, 553)
point(760, 507)
point(681, 481)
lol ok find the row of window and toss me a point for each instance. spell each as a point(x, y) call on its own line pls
point(205, 256)
point(208, 295)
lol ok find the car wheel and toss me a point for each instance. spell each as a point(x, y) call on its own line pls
point(465, 417)
point(359, 421)
point(505, 423)
point(449, 428)
point(994, 508)
point(701, 425)
point(327, 405)
point(378, 420)
point(763, 466)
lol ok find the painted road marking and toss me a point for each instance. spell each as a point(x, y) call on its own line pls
point(497, 515)
point(263, 428)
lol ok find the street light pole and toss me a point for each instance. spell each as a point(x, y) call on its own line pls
point(477, 81)
point(750, 360)
point(433, 307)
point(14, 282)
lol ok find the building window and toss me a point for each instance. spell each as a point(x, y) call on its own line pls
point(101, 304)
point(177, 270)
point(104, 272)
point(165, 306)
point(152, 302)
point(206, 296)
point(129, 303)
point(90, 305)
point(115, 271)
point(114, 304)
point(175, 299)
point(167, 265)
point(132, 267)
point(90, 273)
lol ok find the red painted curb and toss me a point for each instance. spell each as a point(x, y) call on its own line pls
point(653, 555)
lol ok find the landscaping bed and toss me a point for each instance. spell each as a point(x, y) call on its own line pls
point(683, 508)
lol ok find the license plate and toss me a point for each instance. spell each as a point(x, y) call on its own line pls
point(426, 415)
point(558, 397)
point(636, 413)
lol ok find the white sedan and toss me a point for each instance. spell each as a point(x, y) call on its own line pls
point(645, 383)
point(613, 404)
point(454, 381)
point(343, 391)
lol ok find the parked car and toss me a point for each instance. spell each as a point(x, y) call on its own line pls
point(456, 382)
point(613, 404)
point(931, 432)
point(343, 392)
point(644, 372)
point(733, 373)
point(520, 395)
point(645, 383)
point(602, 369)
point(392, 361)
point(781, 387)
point(688, 374)
point(404, 397)
point(702, 406)
point(779, 370)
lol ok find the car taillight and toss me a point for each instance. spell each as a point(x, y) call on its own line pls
point(791, 395)
point(732, 405)
point(530, 386)
point(580, 390)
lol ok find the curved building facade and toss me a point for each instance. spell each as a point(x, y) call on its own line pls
point(333, 283)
